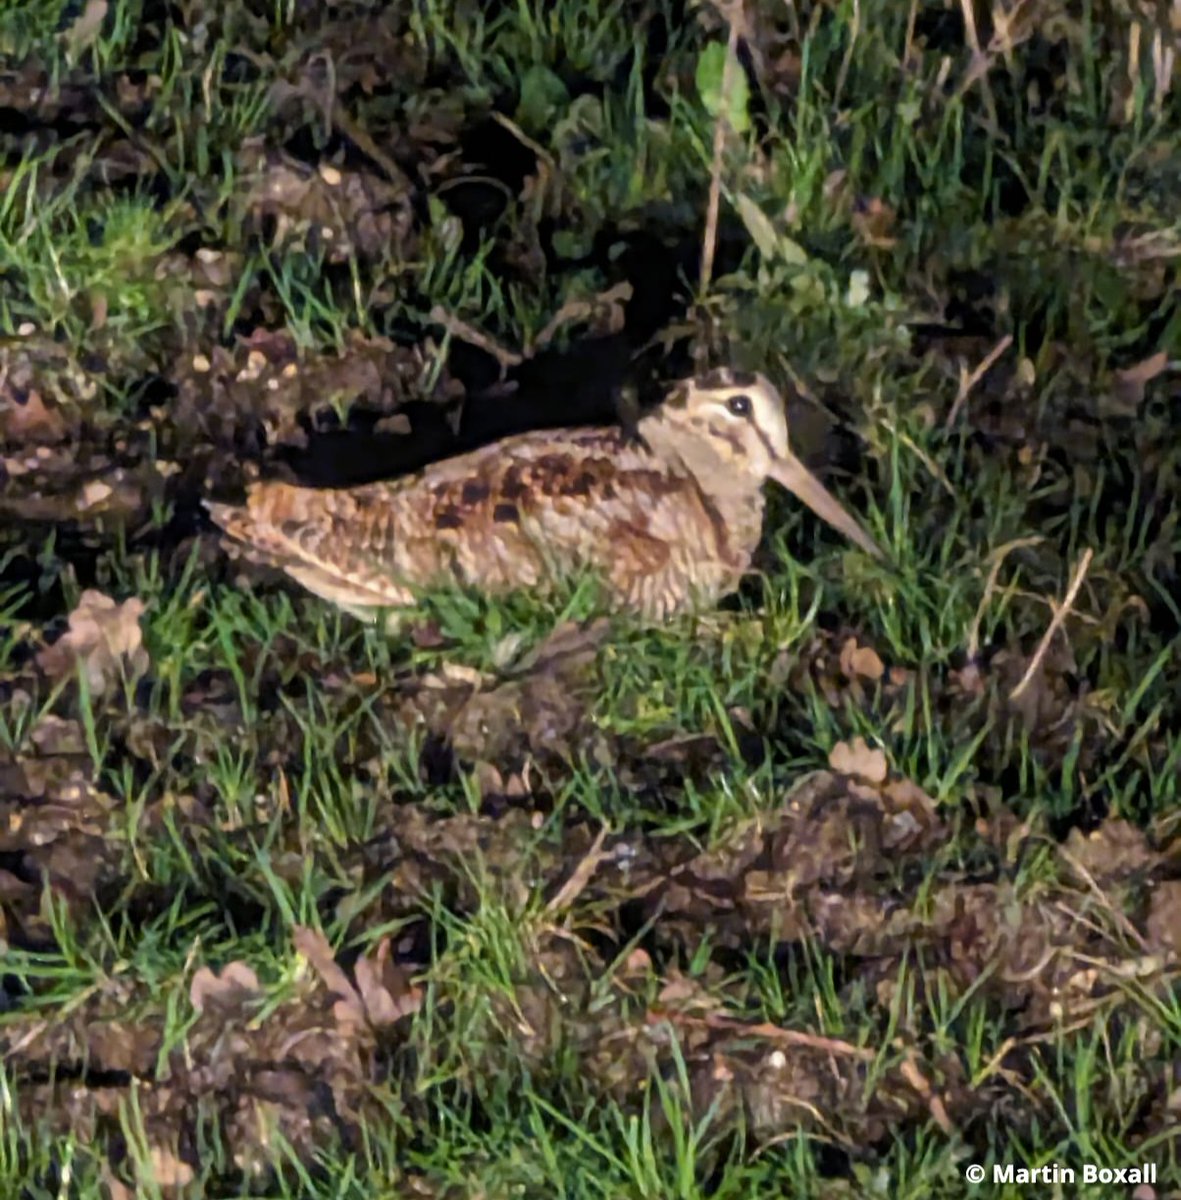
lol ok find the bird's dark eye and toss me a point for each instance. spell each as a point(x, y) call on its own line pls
point(739, 405)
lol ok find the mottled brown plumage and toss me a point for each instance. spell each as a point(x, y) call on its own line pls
point(669, 518)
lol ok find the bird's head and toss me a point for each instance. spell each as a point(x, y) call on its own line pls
point(742, 420)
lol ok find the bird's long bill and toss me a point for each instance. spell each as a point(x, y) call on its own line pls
point(793, 475)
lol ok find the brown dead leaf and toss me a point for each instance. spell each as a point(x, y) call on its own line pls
point(684, 994)
point(167, 1170)
point(603, 313)
point(99, 309)
point(860, 661)
point(909, 815)
point(489, 781)
point(236, 982)
point(116, 1188)
point(381, 996)
point(94, 492)
point(385, 988)
point(83, 33)
point(1111, 853)
point(13, 888)
point(857, 759)
point(104, 636)
point(350, 1009)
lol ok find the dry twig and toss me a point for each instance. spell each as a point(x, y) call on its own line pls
point(765, 1031)
point(1060, 611)
point(969, 379)
point(469, 333)
point(581, 876)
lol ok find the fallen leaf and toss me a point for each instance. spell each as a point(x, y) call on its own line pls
point(386, 993)
point(99, 307)
point(315, 947)
point(349, 1009)
point(237, 981)
point(860, 660)
point(116, 1188)
point(167, 1170)
point(83, 33)
point(856, 758)
point(94, 492)
point(104, 637)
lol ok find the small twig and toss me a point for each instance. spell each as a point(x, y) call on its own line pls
point(543, 155)
point(981, 61)
point(474, 337)
point(1060, 613)
point(980, 65)
point(801, 385)
point(1164, 60)
point(721, 125)
point(910, 1071)
point(969, 380)
point(580, 877)
point(765, 1031)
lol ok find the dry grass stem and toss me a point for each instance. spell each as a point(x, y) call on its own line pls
point(721, 126)
point(580, 877)
point(505, 357)
point(969, 379)
point(1060, 612)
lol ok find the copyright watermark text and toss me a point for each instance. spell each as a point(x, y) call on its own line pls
point(1056, 1173)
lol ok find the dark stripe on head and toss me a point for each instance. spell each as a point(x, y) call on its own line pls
point(766, 444)
point(724, 377)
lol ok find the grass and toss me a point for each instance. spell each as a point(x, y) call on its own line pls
point(993, 986)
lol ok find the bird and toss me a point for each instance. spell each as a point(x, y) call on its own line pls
point(668, 514)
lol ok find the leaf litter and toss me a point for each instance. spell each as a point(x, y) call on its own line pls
point(496, 880)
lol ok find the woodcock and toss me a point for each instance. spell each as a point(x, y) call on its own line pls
point(668, 516)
